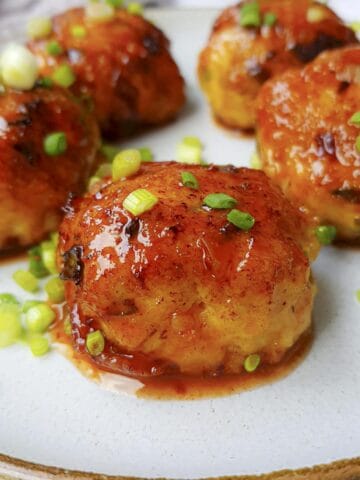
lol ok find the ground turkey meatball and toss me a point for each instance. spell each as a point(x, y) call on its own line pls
point(180, 288)
point(308, 136)
point(239, 59)
point(122, 66)
point(34, 185)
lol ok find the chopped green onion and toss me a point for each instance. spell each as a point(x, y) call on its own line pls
point(357, 143)
point(99, 12)
point(39, 27)
point(67, 327)
point(146, 154)
point(270, 19)
point(219, 200)
point(325, 234)
point(242, 220)
point(92, 181)
point(29, 304)
point(255, 161)
point(54, 48)
point(315, 14)
point(109, 151)
point(355, 26)
point(189, 180)
point(64, 76)
point(189, 151)
point(10, 324)
point(8, 298)
point(54, 236)
point(355, 119)
point(48, 254)
point(36, 265)
point(135, 8)
point(139, 201)
point(39, 345)
point(126, 164)
point(250, 15)
point(26, 280)
point(55, 144)
point(115, 3)
point(55, 290)
point(45, 82)
point(252, 362)
point(357, 294)
point(19, 68)
point(78, 31)
point(95, 343)
point(39, 317)
point(104, 170)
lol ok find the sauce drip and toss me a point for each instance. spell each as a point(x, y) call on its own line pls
point(181, 387)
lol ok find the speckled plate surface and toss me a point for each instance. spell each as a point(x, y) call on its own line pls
point(51, 415)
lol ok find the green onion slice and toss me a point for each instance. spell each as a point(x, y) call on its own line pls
point(189, 180)
point(36, 264)
point(39, 317)
point(39, 345)
point(26, 280)
point(55, 290)
point(325, 234)
point(355, 119)
point(252, 362)
point(270, 19)
point(8, 298)
point(95, 343)
point(64, 76)
point(250, 15)
point(219, 200)
point(140, 201)
point(10, 324)
point(242, 220)
point(55, 144)
point(54, 48)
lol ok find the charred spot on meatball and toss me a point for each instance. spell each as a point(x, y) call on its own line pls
point(73, 266)
point(308, 51)
point(351, 195)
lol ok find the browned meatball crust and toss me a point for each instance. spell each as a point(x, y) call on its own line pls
point(307, 141)
point(34, 186)
point(123, 66)
point(179, 289)
point(238, 60)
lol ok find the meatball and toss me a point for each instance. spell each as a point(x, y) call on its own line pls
point(307, 139)
point(33, 184)
point(179, 288)
point(123, 69)
point(239, 59)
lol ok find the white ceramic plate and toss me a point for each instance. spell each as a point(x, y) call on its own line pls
point(51, 414)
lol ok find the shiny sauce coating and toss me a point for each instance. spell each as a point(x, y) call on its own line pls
point(179, 289)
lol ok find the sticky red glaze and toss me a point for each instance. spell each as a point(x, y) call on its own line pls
point(123, 66)
point(33, 185)
point(237, 60)
point(179, 289)
point(307, 144)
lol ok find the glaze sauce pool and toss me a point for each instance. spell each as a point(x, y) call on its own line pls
point(180, 387)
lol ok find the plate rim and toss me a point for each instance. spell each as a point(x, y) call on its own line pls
point(16, 469)
point(12, 468)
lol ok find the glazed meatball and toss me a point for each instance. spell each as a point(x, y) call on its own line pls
point(34, 185)
point(307, 138)
point(239, 59)
point(180, 288)
point(123, 69)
